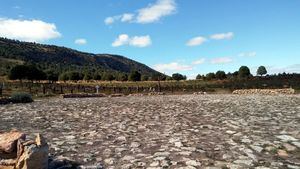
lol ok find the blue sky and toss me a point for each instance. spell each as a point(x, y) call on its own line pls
point(185, 36)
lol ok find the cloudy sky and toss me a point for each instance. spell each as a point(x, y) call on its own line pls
point(185, 36)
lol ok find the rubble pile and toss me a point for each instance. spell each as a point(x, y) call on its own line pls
point(264, 91)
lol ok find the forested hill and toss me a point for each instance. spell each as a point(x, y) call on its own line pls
point(61, 59)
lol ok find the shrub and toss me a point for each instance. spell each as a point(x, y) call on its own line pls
point(21, 98)
point(134, 76)
point(178, 76)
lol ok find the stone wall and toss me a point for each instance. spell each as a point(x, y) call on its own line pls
point(265, 91)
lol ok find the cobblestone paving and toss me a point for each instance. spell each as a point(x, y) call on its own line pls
point(180, 131)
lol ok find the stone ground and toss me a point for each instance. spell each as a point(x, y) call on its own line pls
point(179, 131)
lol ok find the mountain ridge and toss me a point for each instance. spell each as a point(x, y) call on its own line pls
point(60, 59)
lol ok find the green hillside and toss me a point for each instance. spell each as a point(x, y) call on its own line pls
point(61, 59)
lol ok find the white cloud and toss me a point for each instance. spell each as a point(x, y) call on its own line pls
point(221, 36)
point(80, 41)
point(123, 39)
point(247, 54)
point(109, 20)
point(174, 66)
point(137, 41)
point(140, 41)
point(199, 61)
point(155, 12)
point(28, 30)
point(196, 41)
point(151, 13)
point(221, 60)
point(127, 17)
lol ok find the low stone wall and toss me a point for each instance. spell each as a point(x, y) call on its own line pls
point(265, 91)
point(82, 95)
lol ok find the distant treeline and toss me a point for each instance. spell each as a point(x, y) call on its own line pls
point(33, 73)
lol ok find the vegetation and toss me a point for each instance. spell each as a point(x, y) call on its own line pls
point(28, 72)
point(135, 76)
point(210, 76)
point(261, 71)
point(21, 98)
point(178, 76)
point(244, 72)
point(221, 75)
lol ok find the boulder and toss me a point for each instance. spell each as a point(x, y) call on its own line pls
point(16, 153)
point(33, 155)
point(8, 141)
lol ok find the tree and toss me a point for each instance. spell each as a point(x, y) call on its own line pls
point(261, 71)
point(29, 72)
point(178, 76)
point(122, 77)
point(34, 73)
point(169, 78)
point(145, 78)
point(220, 75)
point(97, 76)
point(64, 76)
point(108, 77)
point(87, 76)
point(18, 72)
point(75, 76)
point(244, 72)
point(52, 76)
point(210, 76)
point(135, 76)
point(199, 77)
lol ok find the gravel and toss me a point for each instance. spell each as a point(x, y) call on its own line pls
point(175, 131)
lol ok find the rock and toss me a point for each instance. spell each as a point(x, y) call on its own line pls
point(33, 156)
point(109, 161)
point(244, 162)
point(257, 148)
point(154, 164)
point(286, 138)
point(8, 141)
point(178, 144)
point(193, 163)
point(289, 147)
point(282, 153)
point(264, 91)
point(135, 145)
point(297, 144)
point(62, 163)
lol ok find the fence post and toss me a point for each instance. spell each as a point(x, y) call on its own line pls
point(1, 89)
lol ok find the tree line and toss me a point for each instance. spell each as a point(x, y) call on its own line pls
point(242, 73)
point(31, 72)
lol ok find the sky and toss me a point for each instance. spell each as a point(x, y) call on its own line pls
point(172, 36)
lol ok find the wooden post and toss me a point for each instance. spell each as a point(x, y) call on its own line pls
point(44, 89)
point(1, 90)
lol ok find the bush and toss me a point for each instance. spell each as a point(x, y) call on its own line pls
point(21, 98)
point(134, 76)
point(178, 76)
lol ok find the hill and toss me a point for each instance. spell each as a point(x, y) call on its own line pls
point(61, 59)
